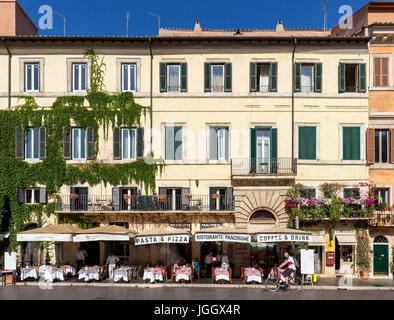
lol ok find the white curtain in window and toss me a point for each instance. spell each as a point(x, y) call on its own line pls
point(306, 78)
point(264, 73)
point(173, 78)
point(217, 78)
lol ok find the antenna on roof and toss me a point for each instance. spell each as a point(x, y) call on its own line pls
point(127, 23)
point(325, 13)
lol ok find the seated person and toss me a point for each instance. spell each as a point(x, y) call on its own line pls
point(196, 267)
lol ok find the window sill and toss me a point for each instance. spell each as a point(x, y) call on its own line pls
point(80, 161)
point(382, 166)
point(218, 162)
point(381, 89)
point(32, 161)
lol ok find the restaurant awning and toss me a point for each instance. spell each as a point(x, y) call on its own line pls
point(56, 233)
point(346, 240)
point(317, 241)
point(278, 234)
point(162, 235)
point(106, 233)
point(222, 235)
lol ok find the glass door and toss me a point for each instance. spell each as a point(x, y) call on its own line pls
point(263, 151)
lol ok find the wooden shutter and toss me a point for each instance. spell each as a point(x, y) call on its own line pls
point(42, 146)
point(351, 143)
point(116, 201)
point(226, 146)
point(207, 77)
point(274, 77)
point(184, 77)
point(307, 143)
point(140, 143)
point(228, 77)
point(169, 143)
point(212, 202)
point(377, 72)
point(185, 201)
point(274, 150)
point(362, 77)
point(253, 76)
point(90, 143)
point(213, 143)
point(43, 196)
point(229, 199)
point(391, 145)
point(356, 143)
point(297, 77)
point(253, 160)
point(163, 77)
point(21, 196)
point(318, 77)
point(19, 143)
point(385, 72)
point(178, 152)
point(117, 143)
point(67, 144)
point(341, 78)
point(370, 146)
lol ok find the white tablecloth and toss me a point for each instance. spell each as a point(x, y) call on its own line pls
point(222, 277)
point(122, 274)
point(54, 274)
point(152, 277)
point(254, 278)
point(42, 270)
point(70, 270)
point(182, 277)
point(89, 274)
point(27, 273)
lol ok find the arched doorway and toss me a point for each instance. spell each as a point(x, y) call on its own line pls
point(381, 256)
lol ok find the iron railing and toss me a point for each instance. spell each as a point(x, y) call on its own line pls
point(381, 218)
point(94, 203)
point(264, 166)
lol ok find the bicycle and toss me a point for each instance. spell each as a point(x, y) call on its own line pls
point(276, 280)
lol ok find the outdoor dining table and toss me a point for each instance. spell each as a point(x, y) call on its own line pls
point(123, 273)
point(42, 270)
point(88, 274)
point(27, 273)
point(153, 274)
point(222, 274)
point(68, 270)
point(183, 274)
point(52, 274)
point(253, 274)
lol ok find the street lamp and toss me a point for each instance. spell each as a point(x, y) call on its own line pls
point(155, 15)
point(64, 20)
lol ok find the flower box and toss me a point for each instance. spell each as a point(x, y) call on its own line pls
point(74, 196)
point(162, 197)
point(188, 196)
point(127, 197)
point(216, 196)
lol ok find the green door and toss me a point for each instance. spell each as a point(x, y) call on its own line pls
point(381, 259)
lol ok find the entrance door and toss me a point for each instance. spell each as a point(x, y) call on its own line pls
point(263, 152)
point(80, 202)
point(381, 256)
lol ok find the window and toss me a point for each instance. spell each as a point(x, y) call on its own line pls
point(173, 77)
point(381, 72)
point(308, 193)
point(351, 193)
point(217, 77)
point(173, 143)
point(263, 77)
point(218, 143)
point(32, 144)
point(351, 143)
point(129, 147)
point(307, 143)
point(174, 198)
point(382, 146)
point(32, 77)
point(79, 143)
point(383, 195)
point(32, 196)
point(308, 77)
point(79, 77)
point(220, 199)
point(352, 77)
point(128, 77)
point(128, 199)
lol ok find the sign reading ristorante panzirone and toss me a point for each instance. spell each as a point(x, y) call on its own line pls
point(269, 238)
point(138, 241)
point(227, 237)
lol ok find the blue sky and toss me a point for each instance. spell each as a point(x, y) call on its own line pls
point(96, 17)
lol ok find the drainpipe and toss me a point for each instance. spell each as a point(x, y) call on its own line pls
point(9, 73)
point(151, 95)
point(292, 107)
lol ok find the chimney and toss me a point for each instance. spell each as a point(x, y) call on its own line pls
point(14, 21)
point(280, 27)
point(197, 27)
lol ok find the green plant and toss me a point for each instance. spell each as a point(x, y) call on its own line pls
point(363, 253)
point(330, 190)
point(295, 191)
point(334, 209)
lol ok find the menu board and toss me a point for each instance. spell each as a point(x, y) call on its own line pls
point(307, 261)
point(10, 261)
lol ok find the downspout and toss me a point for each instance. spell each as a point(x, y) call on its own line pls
point(9, 73)
point(151, 96)
point(292, 108)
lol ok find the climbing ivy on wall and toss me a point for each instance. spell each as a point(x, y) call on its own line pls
point(97, 109)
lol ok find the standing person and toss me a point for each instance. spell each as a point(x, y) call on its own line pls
point(196, 267)
point(290, 267)
point(112, 260)
point(225, 259)
point(81, 256)
point(218, 259)
point(208, 263)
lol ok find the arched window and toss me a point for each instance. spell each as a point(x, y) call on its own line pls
point(262, 216)
point(380, 239)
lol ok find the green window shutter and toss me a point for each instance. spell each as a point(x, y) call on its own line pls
point(184, 77)
point(274, 77)
point(297, 77)
point(169, 143)
point(207, 77)
point(274, 150)
point(213, 143)
point(163, 77)
point(178, 143)
point(346, 143)
point(42, 146)
point(318, 77)
point(21, 196)
point(117, 143)
point(356, 155)
point(67, 144)
point(362, 77)
point(226, 143)
point(307, 143)
point(341, 77)
point(19, 143)
point(90, 143)
point(253, 136)
point(351, 143)
point(228, 77)
point(140, 143)
point(253, 77)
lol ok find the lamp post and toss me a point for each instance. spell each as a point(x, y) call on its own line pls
point(64, 21)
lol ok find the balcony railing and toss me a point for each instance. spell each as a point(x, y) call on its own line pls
point(264, 166)
point(381, 218)
point(93, 203)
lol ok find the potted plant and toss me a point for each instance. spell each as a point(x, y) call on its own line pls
point(363, 256)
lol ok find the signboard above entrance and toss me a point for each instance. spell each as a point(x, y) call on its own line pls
point(272, 238)
point(146, 240)
point(226, 237)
